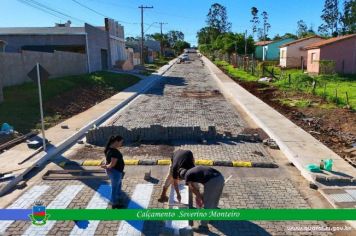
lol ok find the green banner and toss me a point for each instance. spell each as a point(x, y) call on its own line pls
point(202, 214)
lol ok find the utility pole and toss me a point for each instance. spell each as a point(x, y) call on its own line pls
point(161, 24)
point(142, 32)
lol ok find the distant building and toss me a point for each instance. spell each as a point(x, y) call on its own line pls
point(104, 46)
point(259, 49)
point(151, 48)
point(339, 51)
point(271, 50)
point(292, 54)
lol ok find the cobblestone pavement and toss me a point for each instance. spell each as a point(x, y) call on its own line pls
point(187, 97)
point(238, 193)
point(219, 151)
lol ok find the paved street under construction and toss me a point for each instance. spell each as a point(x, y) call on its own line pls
point(184, 110)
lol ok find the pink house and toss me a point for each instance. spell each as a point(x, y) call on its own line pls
point(292, 54)
point(340, 51)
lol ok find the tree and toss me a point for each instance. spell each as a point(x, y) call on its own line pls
point(330, 17)
point(180, 45)
point(255, 20)
point(285, 36)
point(348, 17)
point(217, 18)
point(302, 29)
point(174, 36)
point(207, 35)
point(266, 25)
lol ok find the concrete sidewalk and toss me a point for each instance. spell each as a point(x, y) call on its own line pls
point(338, 186)
point(77, 126)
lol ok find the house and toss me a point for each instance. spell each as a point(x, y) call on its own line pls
point(259, 49)
point(293, 55)
point(270, 51)
point(151, 48)
point(103, 46)
point(333, 55)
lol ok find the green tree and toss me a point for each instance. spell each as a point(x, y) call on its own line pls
point(231, 42)
point(330, 17)
point(348, 17)
point(207, 35)
point(255, 20)
point(302, 29)
point(174, 36)
point(266, 26)
point(180, 45)
point(217, 18)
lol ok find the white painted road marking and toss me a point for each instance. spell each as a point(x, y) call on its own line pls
point(62, 200)
point(140, 200)
point(25, 201)
point(178, 224)
point(100, 200)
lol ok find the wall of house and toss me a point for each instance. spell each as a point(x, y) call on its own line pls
point(15, 42)
point(14, 67)
point(97, 40)
point(272, 49)
point(259, 52)
point(313, 66)
point(343, 53)
point(295, 53)
point(116, 41)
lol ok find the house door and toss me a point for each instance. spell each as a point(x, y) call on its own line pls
point(104, 59)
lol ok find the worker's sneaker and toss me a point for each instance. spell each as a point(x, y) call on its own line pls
point(163, 199)
point(118, 206)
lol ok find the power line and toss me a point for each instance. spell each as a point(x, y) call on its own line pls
point(47, 9)
point(41, 9)
point(101, 14)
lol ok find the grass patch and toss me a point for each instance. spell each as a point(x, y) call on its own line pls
point(332, 88)
point(235, 72)
point(153, 67)
point(21, 106)
point(301, 103)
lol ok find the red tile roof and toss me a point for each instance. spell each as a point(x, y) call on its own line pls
point(329, 41)
point(299, 40)
point(263, 43)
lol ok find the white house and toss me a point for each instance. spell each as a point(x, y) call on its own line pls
point(293, 55)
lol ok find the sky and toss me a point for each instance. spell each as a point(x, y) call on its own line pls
point(187, 16)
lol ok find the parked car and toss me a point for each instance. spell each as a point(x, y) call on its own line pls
point(185, 57)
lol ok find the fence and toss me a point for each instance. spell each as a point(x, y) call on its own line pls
point(14, 67)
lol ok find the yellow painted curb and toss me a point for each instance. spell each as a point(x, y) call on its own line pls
point(204, 162)
point(91, 163)
point(241, 164)
point(163, 162)
point(131, 162)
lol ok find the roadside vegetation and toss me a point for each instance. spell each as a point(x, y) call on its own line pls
point(337, 89)
point(62, 98)
point(155, 65)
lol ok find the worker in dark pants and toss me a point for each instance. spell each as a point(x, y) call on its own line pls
point(180, 159)
point(114, 168)
point(213, 182)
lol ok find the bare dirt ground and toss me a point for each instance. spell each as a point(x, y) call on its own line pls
point(77, 100)
point(335, 127)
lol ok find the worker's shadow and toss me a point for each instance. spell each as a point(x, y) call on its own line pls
point(244, 228)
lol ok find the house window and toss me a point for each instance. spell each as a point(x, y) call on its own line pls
point(2, 46)
point(313, 58)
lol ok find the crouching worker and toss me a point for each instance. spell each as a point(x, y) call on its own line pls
point(213, 182)
point(180, 159)
point(114, 168)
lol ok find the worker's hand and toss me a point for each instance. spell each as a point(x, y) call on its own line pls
point(104, 166)
point(179, 197)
